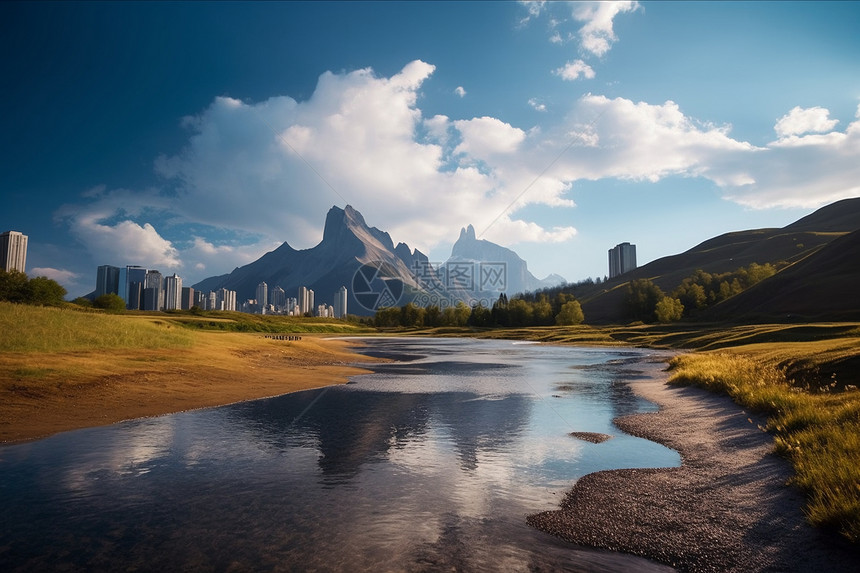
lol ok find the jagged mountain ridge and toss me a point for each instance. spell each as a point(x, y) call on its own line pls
point(347, 244)
point(518, 279)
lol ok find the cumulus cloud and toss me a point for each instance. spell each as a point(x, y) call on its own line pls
point(574, 70)
point(62, 276)
point(799, 121)
point(805, 170)
point(460, 91)
point(484, 137)
point(592, 22)
point(597, 33)
point(269, 171)
point(126, 241)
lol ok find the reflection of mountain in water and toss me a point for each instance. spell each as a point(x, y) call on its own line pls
point(354, 427)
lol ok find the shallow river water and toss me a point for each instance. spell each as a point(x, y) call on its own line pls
point(431, 463)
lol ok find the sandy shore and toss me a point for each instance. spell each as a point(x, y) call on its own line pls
point(46, 393)
point(726, 509)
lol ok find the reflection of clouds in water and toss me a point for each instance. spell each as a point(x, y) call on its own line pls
point(389, 473)
point(128, 453)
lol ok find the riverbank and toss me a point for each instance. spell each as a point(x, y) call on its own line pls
point(48, 392)
point(727, 508)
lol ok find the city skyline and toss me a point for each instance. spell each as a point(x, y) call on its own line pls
point(556, 129)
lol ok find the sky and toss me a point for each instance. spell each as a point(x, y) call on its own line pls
point(194, 137)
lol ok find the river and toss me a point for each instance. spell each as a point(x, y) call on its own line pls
point(430, 463)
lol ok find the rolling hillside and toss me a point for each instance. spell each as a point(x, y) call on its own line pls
point(800, 242)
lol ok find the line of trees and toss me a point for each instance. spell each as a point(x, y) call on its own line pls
point(16, 287)
point(563, 309)
point(647, 302)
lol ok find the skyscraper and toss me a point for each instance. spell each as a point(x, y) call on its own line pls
point(129, 276)
point(278, 298)
point(188, 298)
point(225, 299)
point(173, 292)
point(155, 281)
point(13, 251)
point(107, 280)
point(622, 258)
point(262, 297)
point(340, 302)
point(302, 300)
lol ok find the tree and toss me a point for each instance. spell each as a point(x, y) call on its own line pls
point(570, 314)
point(480, 316)
point(642, 297)
point(411, 315)
point(520, 312)
point(668, 309)
point(387, 317)
point(44, 292)
point(83, 301)
point(110, 302)
point(542, 311)
point(13, 285)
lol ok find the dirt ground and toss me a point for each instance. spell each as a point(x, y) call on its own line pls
point(727, 508)
point(42, 394)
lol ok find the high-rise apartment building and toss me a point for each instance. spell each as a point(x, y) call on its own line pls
point(303, 300)
point(225, 299)
point(107, 280)
point(278, 299)
point(622, 259)
point(154, 281)
point(13, 251)
point(262, 296)
point(187, 298)
point(340, 302)
point(172, 292)
point(128, 277)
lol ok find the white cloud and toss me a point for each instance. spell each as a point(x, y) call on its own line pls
point(537, 105)
point(799, 121)
point(203, 255)
point(274, 168)
point(533, 9)
point(62, 276)
point(597, 33)
point(484, 137)
point(574, 70)
point(126, 241)
point(460, 91)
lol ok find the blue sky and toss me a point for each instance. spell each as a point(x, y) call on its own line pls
point(193, 138)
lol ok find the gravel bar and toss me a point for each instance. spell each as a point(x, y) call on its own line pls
point(727, 508)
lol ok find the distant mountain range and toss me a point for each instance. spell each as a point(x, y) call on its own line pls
point(377, 273)
point(820, 279)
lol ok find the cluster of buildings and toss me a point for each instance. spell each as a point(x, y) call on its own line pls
point(13, 251)
point(301, 305)
point(147, 289)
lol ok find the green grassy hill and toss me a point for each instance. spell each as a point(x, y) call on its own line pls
point(801, 241)
point(822, 286)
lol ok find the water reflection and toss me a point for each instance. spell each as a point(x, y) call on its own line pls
point(430, 463)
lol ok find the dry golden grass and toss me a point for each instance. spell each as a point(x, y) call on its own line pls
point(131, 371)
